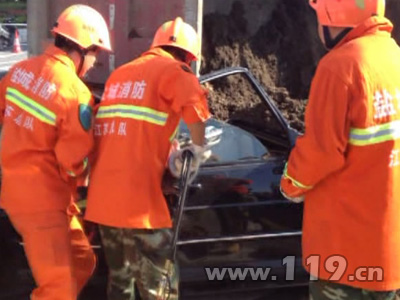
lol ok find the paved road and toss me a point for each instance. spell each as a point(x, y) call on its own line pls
point(7, 59)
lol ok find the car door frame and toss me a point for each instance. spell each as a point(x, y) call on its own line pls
point(291, 135)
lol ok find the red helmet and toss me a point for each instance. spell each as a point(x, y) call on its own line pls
point(178, 34)
point(346, 13)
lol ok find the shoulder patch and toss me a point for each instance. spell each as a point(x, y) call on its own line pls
point(186, 69)
point(85, 116)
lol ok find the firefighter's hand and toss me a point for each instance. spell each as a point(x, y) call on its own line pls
point(296, 199)
point(175, 162)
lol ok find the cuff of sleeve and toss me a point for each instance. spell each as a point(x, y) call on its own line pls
point(289, 189)
point(79, 169)
point(73, 209)
point(293, 181)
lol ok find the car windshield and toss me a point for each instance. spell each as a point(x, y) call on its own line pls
point(227, 142)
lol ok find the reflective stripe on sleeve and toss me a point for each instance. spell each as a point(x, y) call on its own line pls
point(174, 134)
point(31, 106)
point(295, 182)
point(375, 134)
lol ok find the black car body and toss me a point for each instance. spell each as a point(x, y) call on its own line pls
point(234, 214)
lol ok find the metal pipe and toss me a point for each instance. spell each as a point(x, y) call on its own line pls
point(240, 238)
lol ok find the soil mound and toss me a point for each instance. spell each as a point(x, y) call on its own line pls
point(282, 54)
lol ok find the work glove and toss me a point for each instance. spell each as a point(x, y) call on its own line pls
point(297, 199)
point(199, 155)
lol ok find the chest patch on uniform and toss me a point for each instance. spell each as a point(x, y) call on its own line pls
point(186, 69)
point(360, 4)
point(85, 116)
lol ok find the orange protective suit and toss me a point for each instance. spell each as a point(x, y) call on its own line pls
point(46, 137)
point(347, 163)
point(135, 124)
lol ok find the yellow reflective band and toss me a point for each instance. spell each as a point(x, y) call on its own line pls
point(81, 203)
point(375, 134)
point(85, 164)
point(70, 173)
point(295, 182)
point(173, 135)
point(133, 112)
point(39, 111)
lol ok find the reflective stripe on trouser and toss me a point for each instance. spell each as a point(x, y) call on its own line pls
point(58, 253)
point(138, 264)
point(325, 290)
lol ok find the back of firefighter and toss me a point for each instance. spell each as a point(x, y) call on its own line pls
point(46, 116)
point(347, 164)
point(142, 105)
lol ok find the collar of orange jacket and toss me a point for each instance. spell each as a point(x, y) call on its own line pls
point(373, 25)
point(60, 55)
point(158, 52)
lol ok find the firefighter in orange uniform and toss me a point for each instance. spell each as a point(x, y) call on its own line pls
point(347, 164)
point(46, 136)
point(142, 105)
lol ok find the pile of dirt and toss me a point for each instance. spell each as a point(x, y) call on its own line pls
point(282, 55)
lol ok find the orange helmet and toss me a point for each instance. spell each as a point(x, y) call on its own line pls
point(346, 13)
point(178, 34)
point(84, 26)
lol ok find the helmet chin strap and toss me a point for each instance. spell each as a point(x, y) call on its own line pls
point(82, 53)
point(329, 41)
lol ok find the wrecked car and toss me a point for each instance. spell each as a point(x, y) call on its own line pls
point(234, 216)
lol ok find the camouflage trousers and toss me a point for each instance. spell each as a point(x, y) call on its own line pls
point(325, 290)
point(138, 264)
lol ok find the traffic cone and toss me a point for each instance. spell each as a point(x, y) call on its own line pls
point(17, 45)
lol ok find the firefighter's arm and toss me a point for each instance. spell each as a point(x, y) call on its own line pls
point(321, 150)
point(197, 132)
point(181, 88)
point(191, 102)
point(187, 98)
point(75, 140)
